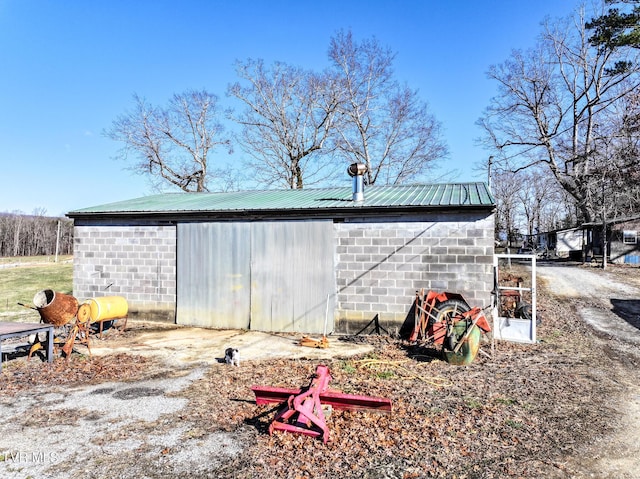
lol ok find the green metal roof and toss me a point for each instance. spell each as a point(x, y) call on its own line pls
point(382, 197)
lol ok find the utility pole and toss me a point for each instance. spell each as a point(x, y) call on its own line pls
point(57, 242)
point(604, 228)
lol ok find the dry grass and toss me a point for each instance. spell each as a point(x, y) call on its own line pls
point(21, 279)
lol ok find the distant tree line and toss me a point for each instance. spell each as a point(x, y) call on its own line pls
point(34, 235)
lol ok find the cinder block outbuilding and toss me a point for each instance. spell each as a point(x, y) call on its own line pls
point(310, 260)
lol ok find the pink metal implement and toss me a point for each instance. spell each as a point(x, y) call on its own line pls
point(301, 409)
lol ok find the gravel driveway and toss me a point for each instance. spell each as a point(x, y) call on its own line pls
point(609, 301)
point(59, 431)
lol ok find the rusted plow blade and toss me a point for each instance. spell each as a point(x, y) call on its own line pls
point(333, 398)
point(302, 409)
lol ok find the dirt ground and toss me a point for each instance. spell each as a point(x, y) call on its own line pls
point(154, 402)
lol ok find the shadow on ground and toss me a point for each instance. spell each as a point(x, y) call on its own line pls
point(628, 309)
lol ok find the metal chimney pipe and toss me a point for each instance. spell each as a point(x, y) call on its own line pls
point(357, 171)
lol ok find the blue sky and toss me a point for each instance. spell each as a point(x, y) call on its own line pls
point(69, 68)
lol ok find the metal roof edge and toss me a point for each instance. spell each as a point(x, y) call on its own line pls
point(331, 213)
point(153, 205)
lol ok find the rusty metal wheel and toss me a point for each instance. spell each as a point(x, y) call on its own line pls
point(446, 311)
point(449, 309)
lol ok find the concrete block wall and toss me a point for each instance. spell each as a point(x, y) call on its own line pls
point(380, 266)
point(136, 262)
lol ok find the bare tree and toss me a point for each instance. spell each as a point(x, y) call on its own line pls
point(173, 144)
point(505, 187)
point(382, 124)
point(537, 193)
point(551, 100)
point(528, 202)
point(618, 151)
point(286, 123)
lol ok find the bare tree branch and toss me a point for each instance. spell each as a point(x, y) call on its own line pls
point(382, 124)
point(172, 144)
point(287, 122)
point(551, 102)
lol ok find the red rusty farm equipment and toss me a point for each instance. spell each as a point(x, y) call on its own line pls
point(301, 410)
point(447, 320)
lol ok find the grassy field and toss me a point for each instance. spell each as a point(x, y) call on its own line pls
point(21, 278)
